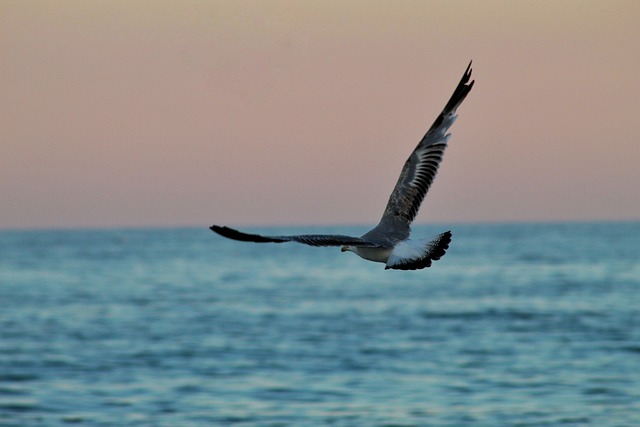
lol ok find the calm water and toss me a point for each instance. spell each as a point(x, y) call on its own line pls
point(519, 325)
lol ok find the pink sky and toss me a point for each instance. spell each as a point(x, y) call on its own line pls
point(162, 113)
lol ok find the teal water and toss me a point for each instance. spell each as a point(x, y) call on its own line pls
point(518, 325)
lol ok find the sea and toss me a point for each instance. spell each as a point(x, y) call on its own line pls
point(518, 325)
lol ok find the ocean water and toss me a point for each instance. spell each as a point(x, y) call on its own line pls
point(518, 325)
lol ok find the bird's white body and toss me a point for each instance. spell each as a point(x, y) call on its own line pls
point(371, 254)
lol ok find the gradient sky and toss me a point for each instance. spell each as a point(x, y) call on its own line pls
point(162, 113)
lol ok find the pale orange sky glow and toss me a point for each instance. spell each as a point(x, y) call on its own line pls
point(163, 113)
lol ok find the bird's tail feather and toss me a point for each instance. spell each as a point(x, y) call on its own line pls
point(418, 254)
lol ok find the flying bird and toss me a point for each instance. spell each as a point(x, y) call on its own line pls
point(389, 241)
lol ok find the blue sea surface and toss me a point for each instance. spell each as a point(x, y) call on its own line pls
point(518, 325)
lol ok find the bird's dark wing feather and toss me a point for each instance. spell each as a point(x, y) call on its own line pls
point(419, 171)
point(307, 239)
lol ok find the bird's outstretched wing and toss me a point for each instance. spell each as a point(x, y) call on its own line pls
point(307, 239)
point(419, 171)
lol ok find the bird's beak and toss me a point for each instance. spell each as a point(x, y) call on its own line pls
point(344, 249)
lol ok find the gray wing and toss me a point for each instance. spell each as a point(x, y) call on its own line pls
point(419, 172)
point(307, 239)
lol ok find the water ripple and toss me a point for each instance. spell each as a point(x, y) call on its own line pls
point(167, 328)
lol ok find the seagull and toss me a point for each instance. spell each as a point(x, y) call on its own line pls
point(388, 242)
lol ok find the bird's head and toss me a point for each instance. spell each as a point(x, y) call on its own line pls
point(346, 248)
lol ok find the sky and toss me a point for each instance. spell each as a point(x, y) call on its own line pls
point(192, 113)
